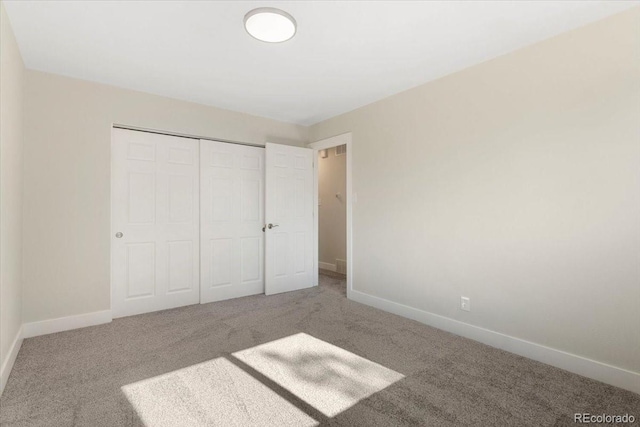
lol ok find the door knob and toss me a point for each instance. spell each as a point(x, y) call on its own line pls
point(119, 235)
point(270, 226)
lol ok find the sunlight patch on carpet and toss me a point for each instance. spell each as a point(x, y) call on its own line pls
point(215, 392)
point(327, 377)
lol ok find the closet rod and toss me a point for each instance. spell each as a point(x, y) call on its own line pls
point(184, 135)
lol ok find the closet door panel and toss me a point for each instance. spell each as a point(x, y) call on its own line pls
point(155, 222)
point(232, 216)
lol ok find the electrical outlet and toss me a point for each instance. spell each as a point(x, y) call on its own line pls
point(465, 304)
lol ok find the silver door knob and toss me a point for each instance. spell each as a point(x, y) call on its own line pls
point(119, 235)
point(270, 226)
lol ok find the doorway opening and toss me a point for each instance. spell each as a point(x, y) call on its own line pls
point(333, 199)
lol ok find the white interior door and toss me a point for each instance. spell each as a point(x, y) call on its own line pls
point(232, 217)
point(155, 222)
point(289, 215)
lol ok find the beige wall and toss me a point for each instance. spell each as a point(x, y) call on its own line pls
point(516, 183)
point(67, 180)
point(332, 212)
point(11, 94)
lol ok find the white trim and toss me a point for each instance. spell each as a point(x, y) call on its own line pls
point(44, 327)
point(609, 374)
point(185, 135)
point(7, 366)
point(327, 266)
point(334, 141)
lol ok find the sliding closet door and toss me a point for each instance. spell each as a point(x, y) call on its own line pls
point(232, 217)
point(155, 222)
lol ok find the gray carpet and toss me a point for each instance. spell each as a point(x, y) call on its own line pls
point(337, 362)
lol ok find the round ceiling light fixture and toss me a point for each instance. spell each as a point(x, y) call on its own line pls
point(270, 25)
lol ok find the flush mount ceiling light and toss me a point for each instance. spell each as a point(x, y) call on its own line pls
point(270, 25)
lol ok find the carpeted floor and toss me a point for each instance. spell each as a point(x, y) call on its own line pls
point(279, 360)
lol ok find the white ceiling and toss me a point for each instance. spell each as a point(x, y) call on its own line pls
point(345, 54)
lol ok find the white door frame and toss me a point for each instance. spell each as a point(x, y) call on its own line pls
point(334, 141)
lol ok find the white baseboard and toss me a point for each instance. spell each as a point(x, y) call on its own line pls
point(609, 374)
point(34, 329)
point(327, 266)
point(7, 366)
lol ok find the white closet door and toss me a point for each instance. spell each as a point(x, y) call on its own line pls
point(289, 214)
point(155, 222)
point(232, 217)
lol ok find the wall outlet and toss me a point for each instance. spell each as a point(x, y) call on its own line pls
point(465, 304)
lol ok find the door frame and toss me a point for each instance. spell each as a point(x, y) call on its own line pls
point(334, 141)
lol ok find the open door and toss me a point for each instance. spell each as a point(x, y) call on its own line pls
point(289, 218)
